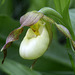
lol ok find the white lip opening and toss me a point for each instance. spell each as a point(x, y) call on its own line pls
point(34, 47)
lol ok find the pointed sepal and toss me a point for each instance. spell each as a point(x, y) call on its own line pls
point(66, 32)
point(30, 18)
point(13, 36)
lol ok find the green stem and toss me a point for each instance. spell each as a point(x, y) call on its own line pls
point(33, 64)
point(72, 62)
point(71, 55)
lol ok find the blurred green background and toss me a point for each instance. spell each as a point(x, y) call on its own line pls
point(56, 60)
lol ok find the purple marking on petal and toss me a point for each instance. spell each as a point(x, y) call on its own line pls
point(30, 18)
point(24, 17)
point(13, 36)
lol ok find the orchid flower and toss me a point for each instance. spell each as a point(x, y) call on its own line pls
point(38, 37)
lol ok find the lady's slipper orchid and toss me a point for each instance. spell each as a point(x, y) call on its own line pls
point(36, 40)
point(38, 36)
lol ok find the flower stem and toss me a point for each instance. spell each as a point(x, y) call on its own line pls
point(33, 64)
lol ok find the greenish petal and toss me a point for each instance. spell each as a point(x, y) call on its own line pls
point(66, 32)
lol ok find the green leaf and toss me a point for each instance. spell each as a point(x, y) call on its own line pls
point(50, 11)
point(37, 4)
point(15, 68)
point(50, 3)
point(62, 7)
point(72, 17)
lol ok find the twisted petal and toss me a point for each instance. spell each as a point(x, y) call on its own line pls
point(27, 20)
point(66, 32)
point(13, 36)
